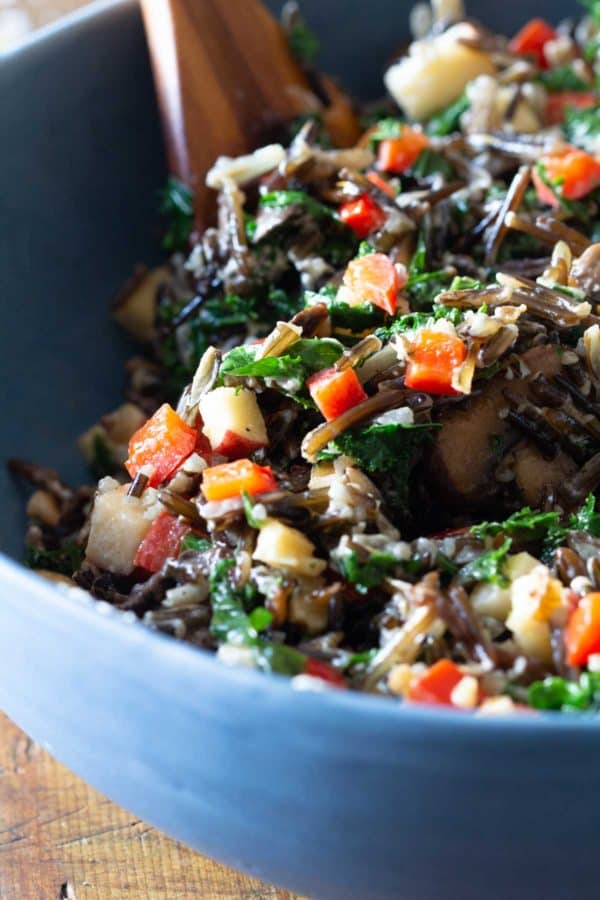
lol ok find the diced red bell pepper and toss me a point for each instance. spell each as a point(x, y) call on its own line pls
point(531, 40)
point(557, 104)
point(383, 185)
point(375, 279)
point(435, 357)
point(435, 686)
point(319, 669)
point(399, 154)
point(162, 541)
point(334, 391)
point(576, 171)
point(161, 444)
point(582, 635)
point(363, 215)
point(230, 479)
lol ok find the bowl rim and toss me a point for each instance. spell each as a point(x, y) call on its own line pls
point(84, 610)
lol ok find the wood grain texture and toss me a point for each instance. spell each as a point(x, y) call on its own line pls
point(224, 78)
point(55, 830)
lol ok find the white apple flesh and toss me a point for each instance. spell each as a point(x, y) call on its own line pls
point(233, 422)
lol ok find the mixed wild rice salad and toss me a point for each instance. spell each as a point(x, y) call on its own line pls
point(363, 446)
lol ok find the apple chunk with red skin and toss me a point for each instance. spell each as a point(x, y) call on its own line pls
point(233, 422)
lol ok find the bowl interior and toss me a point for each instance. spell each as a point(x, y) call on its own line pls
point(82, 162)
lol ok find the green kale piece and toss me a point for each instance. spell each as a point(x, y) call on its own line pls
point(524, 525)
point(279, 199)
point(430, 162)
point(554, 693)
point(305, 356)
point(447, 121)
point(487, 567)
point(582, 127)
point(413, 321)
point(304, 44)
point(585, 519)
point(386, 129)
point(562, 78)
point(368, 573)
point(193, 541)
point(177, 205)
point(387, 452)
point(102, 461)
point(232, 624)
point(65, 560)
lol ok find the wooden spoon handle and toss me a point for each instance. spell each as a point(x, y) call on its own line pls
point(224, 77)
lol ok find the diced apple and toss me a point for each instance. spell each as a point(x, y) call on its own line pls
point(283, 547)
point(118, 525)
point(233, 422)
point(307, 609)
point(534, 598)
point(436, 71)
point(491, 600)
point(113, 431)
point(518, 564)
point(135, 307)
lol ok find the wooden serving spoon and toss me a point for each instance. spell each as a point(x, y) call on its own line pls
point(225, 78)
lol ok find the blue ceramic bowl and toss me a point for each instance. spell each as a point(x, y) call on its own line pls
point(333, 795)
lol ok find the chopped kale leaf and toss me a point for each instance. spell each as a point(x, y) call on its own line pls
point(232, 624)
point(554, 693)
point(65, 560)
point(177, 205)
point(524, 525)
point(562, 78)
point(582, 128)
point(279, 199)
point(416, 320)
point(386, 129)
point(447, 120)
point(388, 453)
point(194, 542)
point(487, 567)
point(305, 356)
point(304, 44)
point(102, 460)
point(366, 574)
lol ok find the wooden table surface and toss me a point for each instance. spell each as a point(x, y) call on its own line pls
point(61, 839)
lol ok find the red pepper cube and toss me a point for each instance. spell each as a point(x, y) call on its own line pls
point(374, 279)
point(399, 154)
point(582, 634)
point(532, 39)
point(578, 172)
point(230, 479)
point(435, 686)
point(161, 445)
point(161, 542)
point(434, 359)
point(316, 668)
point(334, 391)
point(363, 215)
